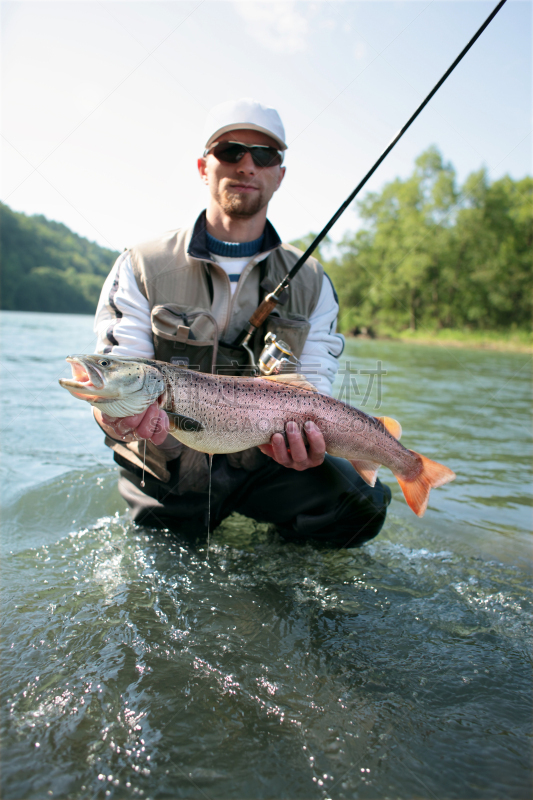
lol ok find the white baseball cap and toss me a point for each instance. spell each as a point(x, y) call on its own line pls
point(243, 114)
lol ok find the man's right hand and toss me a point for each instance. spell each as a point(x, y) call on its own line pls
point(152, 424)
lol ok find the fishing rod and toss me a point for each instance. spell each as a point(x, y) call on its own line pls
point(273, 298)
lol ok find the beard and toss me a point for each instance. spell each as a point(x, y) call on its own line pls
point(237, 205)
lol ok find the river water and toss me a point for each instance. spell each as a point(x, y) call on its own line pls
point(134, 667)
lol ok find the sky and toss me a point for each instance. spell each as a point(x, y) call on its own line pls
point(103, 103)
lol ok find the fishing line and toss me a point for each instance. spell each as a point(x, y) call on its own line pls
point(209, 505)
point(144, 464)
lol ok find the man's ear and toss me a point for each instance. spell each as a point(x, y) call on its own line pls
point(282, 171)
point(202, 170)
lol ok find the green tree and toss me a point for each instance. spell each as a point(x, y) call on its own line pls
point(435, 255)
point(46, 288)
point(47, 267)
point(493, 253)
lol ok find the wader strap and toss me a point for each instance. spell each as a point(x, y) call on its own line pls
point(262, 273)
point(209, 280)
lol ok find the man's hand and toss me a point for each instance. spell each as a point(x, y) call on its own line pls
point(152, 424)
point(296, 456)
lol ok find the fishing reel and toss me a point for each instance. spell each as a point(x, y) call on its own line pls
point(276, 357)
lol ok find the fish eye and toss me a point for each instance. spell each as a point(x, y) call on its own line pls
point(103, 362)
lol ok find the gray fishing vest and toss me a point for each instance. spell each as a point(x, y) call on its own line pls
point(195, 319)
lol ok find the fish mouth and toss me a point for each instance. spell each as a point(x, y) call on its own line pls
point(86, 378)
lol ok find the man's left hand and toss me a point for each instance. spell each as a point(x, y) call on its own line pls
point(296, 455)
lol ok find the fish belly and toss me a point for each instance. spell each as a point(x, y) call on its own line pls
point(231, 440)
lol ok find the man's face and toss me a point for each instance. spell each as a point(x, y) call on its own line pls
point(242, 189)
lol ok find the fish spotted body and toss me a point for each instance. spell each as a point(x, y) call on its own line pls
point(225, 414)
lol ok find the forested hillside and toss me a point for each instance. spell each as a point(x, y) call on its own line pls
point(47, 267)
point(434, 255)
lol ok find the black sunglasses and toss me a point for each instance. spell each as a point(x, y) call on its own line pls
point(232, 152)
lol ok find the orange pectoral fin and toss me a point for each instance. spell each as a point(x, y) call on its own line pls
point(368, 470)
point(416, 491)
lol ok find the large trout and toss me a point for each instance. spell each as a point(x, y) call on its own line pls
point(218, 414)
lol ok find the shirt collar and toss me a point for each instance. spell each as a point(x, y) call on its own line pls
point(198, 243)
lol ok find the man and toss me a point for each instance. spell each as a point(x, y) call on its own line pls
point(184, 298)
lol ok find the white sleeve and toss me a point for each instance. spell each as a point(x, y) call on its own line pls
point(323, 345)
point(122, 322)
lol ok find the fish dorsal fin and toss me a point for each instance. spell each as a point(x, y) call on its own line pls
point(391, 425)
point(292, 379)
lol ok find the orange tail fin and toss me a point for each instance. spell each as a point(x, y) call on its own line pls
point(416, 491)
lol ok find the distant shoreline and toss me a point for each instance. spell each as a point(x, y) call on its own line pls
point(487, 341)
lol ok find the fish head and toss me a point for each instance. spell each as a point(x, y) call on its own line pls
point(118, 385)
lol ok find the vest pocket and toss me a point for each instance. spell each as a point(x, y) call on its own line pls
point(188, 336)
point(293, 329)
point(185, 335)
